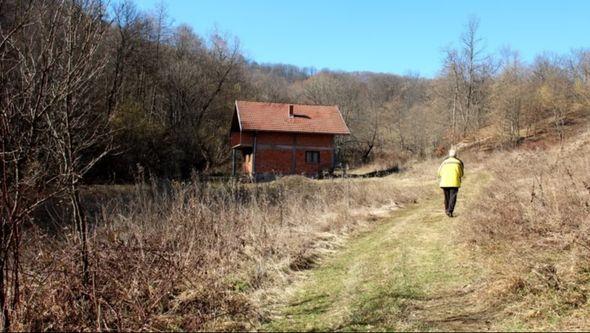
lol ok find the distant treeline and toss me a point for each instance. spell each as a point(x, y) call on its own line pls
point(162, 95)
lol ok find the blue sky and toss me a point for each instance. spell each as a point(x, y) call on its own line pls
point(383, 36)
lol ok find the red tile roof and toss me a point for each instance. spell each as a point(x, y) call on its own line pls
point(263, 116)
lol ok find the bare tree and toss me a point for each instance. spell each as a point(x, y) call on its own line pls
point(28, 93)
point(50, 129)
point(555, 93)
point(161, 29)
point(127, 28)
point(79, 132)
point(579, 68)
point(510, 97)
point(469, 71)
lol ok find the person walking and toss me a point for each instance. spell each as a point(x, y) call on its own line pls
point(450, 173)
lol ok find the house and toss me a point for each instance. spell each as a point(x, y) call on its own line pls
point(285, 139)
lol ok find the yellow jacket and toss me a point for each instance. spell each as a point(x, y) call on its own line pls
point(450, 172)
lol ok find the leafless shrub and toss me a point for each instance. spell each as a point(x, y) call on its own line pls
point(187, 256)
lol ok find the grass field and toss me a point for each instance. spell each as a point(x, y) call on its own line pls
point(515, 258)
point(408, 273)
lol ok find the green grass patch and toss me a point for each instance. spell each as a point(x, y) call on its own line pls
point(373, 283)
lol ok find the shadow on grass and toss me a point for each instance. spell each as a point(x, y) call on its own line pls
point(379, 309)
point(376, 174)
point(313, 305)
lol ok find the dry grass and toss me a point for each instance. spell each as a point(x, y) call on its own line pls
point(533, 226)
point(191, 256)
point(203, 256)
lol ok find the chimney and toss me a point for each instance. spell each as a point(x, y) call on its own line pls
point(291, 115)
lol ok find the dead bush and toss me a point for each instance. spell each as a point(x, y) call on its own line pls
point(187, 256)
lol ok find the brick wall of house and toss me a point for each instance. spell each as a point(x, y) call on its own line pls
point(302, 139)
point(273, 161)
point(322, 140)
point(326, 158)
point(276, 138)
point(274, 153)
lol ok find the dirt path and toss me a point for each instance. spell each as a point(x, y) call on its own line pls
point(408, 273)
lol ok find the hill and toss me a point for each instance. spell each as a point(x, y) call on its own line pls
point(516, 258)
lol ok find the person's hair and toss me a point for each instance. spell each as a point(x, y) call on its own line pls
point(452, 152)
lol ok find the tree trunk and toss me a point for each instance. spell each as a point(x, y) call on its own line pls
point(81, 227)
point(3, 298)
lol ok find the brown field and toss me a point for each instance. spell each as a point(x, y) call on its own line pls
point(192, 256)
point(531, 227)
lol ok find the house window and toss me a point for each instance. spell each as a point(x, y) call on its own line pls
point(312, 157)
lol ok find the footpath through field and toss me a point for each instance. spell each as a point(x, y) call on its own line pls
point(408, 273)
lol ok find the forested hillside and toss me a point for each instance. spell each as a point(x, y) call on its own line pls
point(162, 95)
point(108, 115)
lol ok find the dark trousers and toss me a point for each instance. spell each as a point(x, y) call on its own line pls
point(450, 198)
